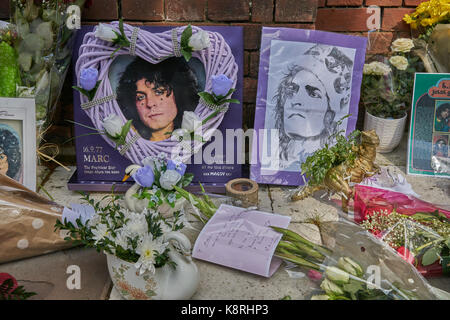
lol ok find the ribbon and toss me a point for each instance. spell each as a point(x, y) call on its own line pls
point(133, 40)
point(176, 45)
point(128, 145)
point(96, 102)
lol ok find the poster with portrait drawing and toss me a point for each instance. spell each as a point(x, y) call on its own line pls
point(18, 140)
point(308, 81)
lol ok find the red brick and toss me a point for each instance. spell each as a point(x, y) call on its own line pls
point(321, 3)
point(309, 26)
point(393, 19)
point(295, 10)
point(344, 3)
point(4, 9)
point(143, 10)
point(413, 3)
point(231, 10)
point(250, 87)
point(254, 65)
point(246, 63)
point(252, 35)
point(346, 20)
point(262, 10)
point(384, 3)
point(379, 42)
point(185, 10)
point(101, 10)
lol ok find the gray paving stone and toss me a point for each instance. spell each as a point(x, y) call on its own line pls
point(47, 275)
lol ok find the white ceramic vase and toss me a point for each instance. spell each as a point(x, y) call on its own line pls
point(390, 131)
point(167, 283)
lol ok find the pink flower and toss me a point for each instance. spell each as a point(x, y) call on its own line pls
point(314, 275)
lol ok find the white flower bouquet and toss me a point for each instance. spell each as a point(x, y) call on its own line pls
point(138, 238)
point(387, 85)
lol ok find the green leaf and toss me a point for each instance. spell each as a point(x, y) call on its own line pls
point(126, 129)
point(207, 97)
point(186, 54)
point(185, 36)
point(230, 101)
point(430, 256)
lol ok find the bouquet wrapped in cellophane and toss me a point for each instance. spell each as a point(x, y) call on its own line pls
point(417, 230)
point(350, 264)
point(43, 48)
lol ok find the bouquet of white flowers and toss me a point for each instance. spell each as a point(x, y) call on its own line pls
point(138, 238)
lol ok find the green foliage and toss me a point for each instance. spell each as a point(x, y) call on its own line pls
point(186, 50)
point(317, 165)
point(9, 71)
point(89, 94)
point(7, 292)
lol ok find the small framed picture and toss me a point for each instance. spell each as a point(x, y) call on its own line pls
point(18, 140)
point(429, 136)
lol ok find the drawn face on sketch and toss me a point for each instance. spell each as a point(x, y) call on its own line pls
point(305, 106)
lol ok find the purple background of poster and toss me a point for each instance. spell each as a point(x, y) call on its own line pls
point(232, 120)
point(313, 36)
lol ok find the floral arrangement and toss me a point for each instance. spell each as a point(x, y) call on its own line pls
point(10, 289)
point(387, 86)
point(345, 281)
point(138, 238)
point(427, 15)
point(419, 238)
point(43, 50)
point(158, 180)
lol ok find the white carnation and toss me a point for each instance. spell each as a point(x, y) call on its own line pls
point(113, 125)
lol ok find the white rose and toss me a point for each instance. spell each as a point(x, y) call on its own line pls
point(113, 125)
point(199, 41)
point(169, 179)
point(105, 32)
point(401, 63)
point(377, 68)
point(402, 45)
point(190, 121)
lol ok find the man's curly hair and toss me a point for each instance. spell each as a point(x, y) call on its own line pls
point(174, 74)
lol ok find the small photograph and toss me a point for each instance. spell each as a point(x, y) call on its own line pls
point(18, 140)
point(11, 146)
point(442, 117)
point(440, 146)
point(155, 96)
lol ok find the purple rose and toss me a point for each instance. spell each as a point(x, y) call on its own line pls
point(221, 84)
point(88, 78)
point(178, 166)
point(144, 176)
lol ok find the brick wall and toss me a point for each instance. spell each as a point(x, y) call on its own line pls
point(345, 16)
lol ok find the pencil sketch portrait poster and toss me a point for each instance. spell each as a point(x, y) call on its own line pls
point(308, 81)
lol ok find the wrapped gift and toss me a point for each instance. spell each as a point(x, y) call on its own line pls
point(27, 222)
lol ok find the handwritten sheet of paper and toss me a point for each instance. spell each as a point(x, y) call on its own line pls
point(241, 239)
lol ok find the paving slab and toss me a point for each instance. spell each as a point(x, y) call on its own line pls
point(216, 282)
point(48, 275)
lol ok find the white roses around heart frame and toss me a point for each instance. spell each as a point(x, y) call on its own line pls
point(108, 41)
